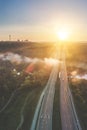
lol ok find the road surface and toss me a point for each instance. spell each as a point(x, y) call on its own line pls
point(69, 117)
point(45, 114)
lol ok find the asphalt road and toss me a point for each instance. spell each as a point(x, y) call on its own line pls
point(45, 114)
point(69, 117)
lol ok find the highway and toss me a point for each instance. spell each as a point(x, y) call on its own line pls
point(42, 119)
point(69, 117)
point(45, 114)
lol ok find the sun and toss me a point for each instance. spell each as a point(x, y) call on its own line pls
point(62, 34)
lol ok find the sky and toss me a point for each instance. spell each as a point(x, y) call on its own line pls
point(40, 20)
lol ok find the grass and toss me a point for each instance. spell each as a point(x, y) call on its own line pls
point(10, 117)
point(79, 91)
point(76, 57)
point(29, 49)
point(30, 109)
point(56, 108)
point(26, 98)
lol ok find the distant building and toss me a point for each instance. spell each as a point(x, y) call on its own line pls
point(9, 37)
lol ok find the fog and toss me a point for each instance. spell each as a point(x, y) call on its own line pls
point(81, 76)
point(16, 58)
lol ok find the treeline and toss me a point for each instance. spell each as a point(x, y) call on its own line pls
point(79, 91)
point(30, 49)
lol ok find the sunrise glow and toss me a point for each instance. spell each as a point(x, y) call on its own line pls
point(63, 34)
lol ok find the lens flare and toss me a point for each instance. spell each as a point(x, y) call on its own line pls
point(63, 34)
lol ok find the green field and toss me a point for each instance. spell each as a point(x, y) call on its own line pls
point(29, 49)
point(28, 86)
point(23, 103)
point(76, 62)
point(79, 91)
point(25, 87)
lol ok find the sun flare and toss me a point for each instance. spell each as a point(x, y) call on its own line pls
point(51, 61)
point(63, 34)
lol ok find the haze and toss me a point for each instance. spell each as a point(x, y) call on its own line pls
point(38, 20)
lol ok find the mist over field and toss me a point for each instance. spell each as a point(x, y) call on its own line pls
point(25, 69)
point(13, 57)
point(43, 64)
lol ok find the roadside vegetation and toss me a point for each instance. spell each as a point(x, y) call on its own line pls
point(79, 91)
point(23, 85)
point(26, 89)
point(76, 66)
